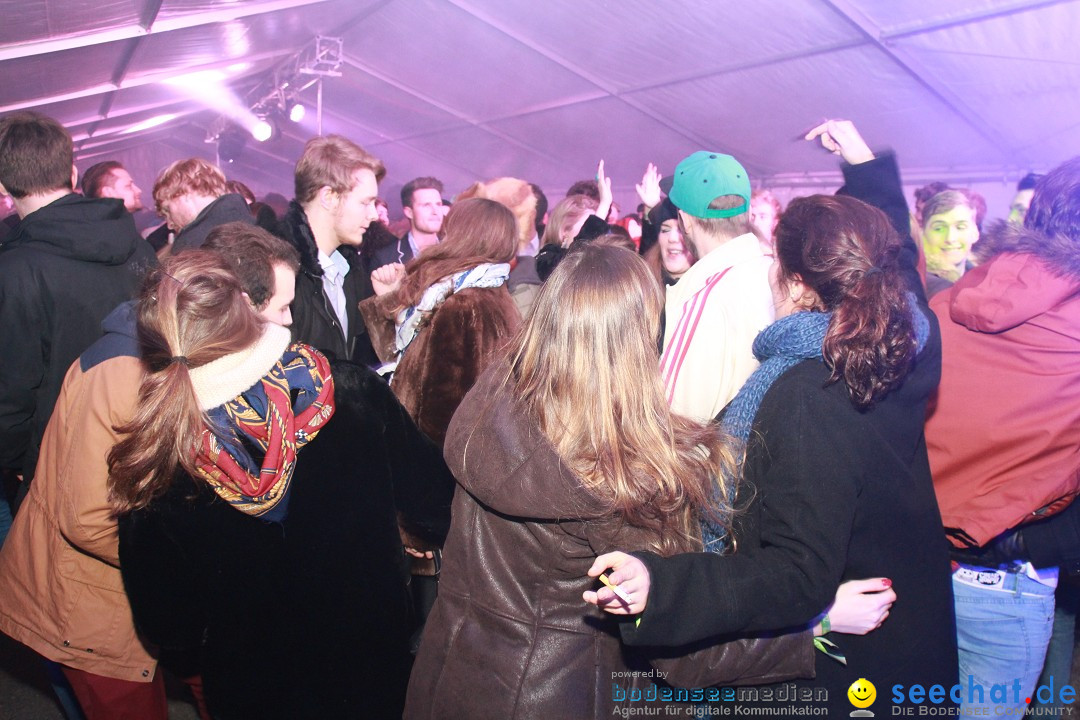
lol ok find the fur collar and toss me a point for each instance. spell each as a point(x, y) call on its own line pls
point(298, 232)
point(1060, 254)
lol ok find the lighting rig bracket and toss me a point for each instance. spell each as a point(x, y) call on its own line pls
point(278, 96)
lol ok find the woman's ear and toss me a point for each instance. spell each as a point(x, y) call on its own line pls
point(802, 295)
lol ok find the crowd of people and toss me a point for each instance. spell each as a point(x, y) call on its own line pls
point(501, 460)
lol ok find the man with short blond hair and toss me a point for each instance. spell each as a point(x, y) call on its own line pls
point(336, 189)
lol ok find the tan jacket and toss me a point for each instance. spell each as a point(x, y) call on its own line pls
point(59, 570)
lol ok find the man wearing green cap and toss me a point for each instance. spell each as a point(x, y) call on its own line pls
point(718, 307)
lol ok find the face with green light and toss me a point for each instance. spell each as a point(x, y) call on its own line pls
point(948, 236)
point(1019, 206)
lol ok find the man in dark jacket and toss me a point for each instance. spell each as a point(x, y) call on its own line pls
point(192, 196)
point(70, 261)
point(336, 189)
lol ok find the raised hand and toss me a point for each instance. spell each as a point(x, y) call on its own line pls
point(604, 183)
point(648, 189)
point(387, 279)
point(841, 137)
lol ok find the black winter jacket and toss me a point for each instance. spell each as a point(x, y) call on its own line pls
point(309, 618)
point(314, 320)
point(64, 268)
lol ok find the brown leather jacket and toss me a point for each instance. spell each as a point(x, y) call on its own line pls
point(510, 636)
point(59, 568)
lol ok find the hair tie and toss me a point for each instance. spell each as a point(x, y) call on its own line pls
point(178, 359)
point(873, 270)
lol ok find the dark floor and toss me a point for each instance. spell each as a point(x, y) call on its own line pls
point(25, 693)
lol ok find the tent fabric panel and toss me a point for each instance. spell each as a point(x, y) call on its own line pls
point(48, 19)
point(458, 61)
point(385, 109)
point(1029, 69)
point(890, 106)
point(578, 136)
point(638, 43)
point(912, 14)
point(58, 73)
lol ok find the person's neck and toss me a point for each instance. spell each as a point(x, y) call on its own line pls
point(423, 240)
point(26, 205)
point(707, 243)
point(322, 229)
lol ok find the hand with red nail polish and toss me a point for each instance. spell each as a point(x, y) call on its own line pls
point(861, 606)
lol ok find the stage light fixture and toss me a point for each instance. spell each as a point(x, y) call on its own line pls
point(264, 129)
point(297, 112)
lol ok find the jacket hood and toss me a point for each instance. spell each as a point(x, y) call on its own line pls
point(97, 230)
point(121, 321)
point(120, 339)
point(1025, 274)
point(498, 453)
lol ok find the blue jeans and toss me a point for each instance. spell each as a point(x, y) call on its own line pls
point(1002, 637)
point(1059, 654)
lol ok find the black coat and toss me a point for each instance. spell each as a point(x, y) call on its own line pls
point(309, 618)
point(830, 494)
point(228, 208)
point(62, 270)
point(314, 320)
point(382, 247)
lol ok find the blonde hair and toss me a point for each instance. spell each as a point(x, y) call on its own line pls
point(586, 365)
point(331, 162)
point(192, 311)
point(193, 175)
point(566, 213)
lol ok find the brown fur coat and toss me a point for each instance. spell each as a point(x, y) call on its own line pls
point(453, 347)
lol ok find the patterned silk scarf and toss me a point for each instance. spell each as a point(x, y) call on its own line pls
point(267, 420)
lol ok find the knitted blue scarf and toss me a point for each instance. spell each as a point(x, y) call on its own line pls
point(779, 347)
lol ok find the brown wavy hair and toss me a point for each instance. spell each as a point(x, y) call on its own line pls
point(847, 252)
point(586, 365)
point(475, 231)
point(191, 307)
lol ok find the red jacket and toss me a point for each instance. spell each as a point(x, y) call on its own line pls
point(1004, 437)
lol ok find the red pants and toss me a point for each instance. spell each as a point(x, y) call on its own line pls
point(104, 698)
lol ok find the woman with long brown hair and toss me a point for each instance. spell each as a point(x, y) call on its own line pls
point(256, 495)
point(835, 478)
point(439, 324)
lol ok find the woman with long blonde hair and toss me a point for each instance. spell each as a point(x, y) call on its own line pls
point(564, 449)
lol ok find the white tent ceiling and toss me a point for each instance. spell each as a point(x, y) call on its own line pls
point(964, 90)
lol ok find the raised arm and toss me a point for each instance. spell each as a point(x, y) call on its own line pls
point(874, 179)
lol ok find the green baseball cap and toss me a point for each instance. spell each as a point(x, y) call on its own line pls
point(705, 176)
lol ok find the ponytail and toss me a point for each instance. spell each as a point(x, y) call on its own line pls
point(847, 252)
point(191, 311)
point(870, 343)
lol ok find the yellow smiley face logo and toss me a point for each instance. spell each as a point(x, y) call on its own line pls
point(862, 693)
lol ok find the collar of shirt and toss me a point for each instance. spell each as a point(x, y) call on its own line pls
point(335, 266)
